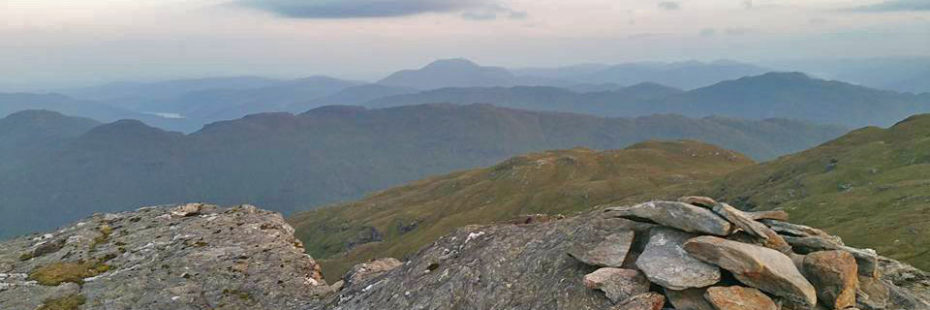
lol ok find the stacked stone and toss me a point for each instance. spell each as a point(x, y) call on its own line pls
point(707, 255)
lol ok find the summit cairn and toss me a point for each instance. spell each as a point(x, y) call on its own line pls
point(764, 261)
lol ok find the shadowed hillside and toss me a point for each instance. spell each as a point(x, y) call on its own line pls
point(870, 187)
point(289, 162)
point(398, 221)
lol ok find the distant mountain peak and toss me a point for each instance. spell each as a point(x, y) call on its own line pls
point(129, 128)
point(786, 75)
point(34, 114)
point(453, 63)
point(458, 72)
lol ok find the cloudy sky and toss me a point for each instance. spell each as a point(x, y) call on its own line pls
point(55, 43)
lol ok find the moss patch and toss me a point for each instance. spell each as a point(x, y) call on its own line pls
point(70, 302)
point(63, 272)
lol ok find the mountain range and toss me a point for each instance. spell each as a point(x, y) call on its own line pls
point(783, 95)
point(290, 162)
point(724, 88)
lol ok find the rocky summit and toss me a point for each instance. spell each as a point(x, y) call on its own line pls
point(646, 256)
point(192, 256)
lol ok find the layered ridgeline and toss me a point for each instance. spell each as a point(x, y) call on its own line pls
point(694, 254)
point(785, 95)
point(397, 222)
point(870, 187)
point(721, 88)
point(288, 162)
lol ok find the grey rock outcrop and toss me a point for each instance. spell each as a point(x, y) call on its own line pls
point(192, 256)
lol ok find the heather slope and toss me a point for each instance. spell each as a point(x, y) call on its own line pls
point(398, 221)
point(869, 186)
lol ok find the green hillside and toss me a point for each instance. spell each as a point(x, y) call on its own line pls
point(557, 182)
point(871, 186)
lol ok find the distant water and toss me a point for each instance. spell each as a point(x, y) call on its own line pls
point(167, 115)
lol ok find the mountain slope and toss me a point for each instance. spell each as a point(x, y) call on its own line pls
point(869, 186)
point(291, 162)
point(397, 222)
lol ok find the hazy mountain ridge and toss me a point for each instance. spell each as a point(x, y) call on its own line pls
point(290, 162)
point(772, 95)
point(683, 75)
point(604, 90)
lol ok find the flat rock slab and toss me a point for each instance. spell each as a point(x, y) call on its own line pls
point(739, 298)
point(744, 222)
point(835, 275)
point(690, 299)
point(665, 262)
point(678, 215)
point(608, 253)
point(699, 201)
point(755, 266)
point(769, 215)
point(618, 284)
point(647, 301)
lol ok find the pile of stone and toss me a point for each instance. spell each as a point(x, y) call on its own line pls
point(704, 254)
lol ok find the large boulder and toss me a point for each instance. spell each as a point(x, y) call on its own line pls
point(678, 215)
point(618, 284)
point(665, 262)
point(835, 275)
point(756, 266)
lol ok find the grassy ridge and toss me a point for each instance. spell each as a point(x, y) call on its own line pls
point(556, 182)
point(872, 187)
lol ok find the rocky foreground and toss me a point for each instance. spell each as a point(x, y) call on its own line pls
point(689, 254)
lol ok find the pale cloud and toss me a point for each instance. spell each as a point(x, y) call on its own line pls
point(669, 5)
point(342, 9)
point(58, 42)
point(895, 6)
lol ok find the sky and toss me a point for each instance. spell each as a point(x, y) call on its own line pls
point(48, 44)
